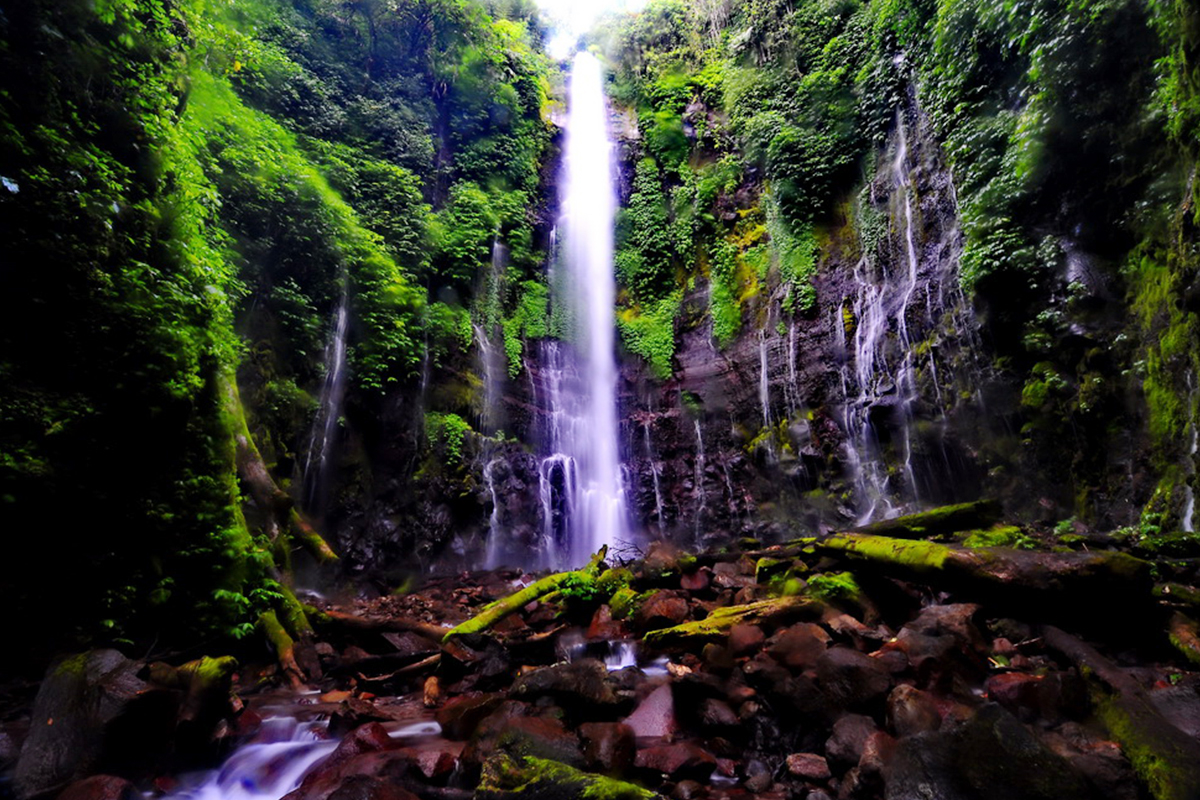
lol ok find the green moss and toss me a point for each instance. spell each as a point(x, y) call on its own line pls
point(624, 603)
point(918, 556)
point(717, 624)
point(505, 776)
point(999, 536)
point(1166, 768)
point(832, 587)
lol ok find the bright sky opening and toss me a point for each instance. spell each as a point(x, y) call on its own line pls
point(572, 18)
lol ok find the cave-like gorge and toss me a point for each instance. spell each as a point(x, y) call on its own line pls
point(489, 398)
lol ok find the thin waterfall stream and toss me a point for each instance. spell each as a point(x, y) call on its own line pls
point(329, 409)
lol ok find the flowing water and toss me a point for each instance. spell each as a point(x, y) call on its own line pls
point(329, 410)
point(580, 487)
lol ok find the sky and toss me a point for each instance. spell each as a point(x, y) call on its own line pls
point(574, 17)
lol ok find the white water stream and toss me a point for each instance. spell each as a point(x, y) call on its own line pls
point(581, 493)
point(333, 393)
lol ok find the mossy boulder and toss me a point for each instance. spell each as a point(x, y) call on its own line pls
point(716, 626)
point(938, 522)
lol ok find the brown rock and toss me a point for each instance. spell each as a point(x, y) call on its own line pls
point(663, 609)
point(677, 761)
point(100, 787)
point(432, 694)
point(460, 716)
point(852, 679)
point(697, 581)
point(808, 766)
point(911, 711)
point(877, 754)
point(744, 639)
point(603, 626)
point(800, 646)
point(850, 734)
point(608, 747)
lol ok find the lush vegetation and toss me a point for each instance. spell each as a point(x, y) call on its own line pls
point(191, 190)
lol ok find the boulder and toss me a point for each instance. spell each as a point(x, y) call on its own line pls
point(850, 734)
point(662, 609)
point(461, 716)
point(851, 679)
point(911, 711)
point(655, 715)
point(93, 714)
point(992, 756)
point(800, 646)
point(677, 761)
point(608, 747)
point(582, 686)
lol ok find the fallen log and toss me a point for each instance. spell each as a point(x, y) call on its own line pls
point(1077, 585)
point(494, 612)
point(425, 630)
point(716, 626)
point(1166, 758)
point(937, 521)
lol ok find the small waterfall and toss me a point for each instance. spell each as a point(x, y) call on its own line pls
point(655, 469)
point(495, 545)
point(329, 410)
point(791, 394)
point(883, 388)
point(701, 492)
point(580, 487)
point(267, 769)
point(764, 386)
point(492, 358)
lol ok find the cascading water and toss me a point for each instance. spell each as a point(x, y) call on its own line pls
point(701, 491)
point(583, 504)
point(883, 356)
point(655, 470)
point(333, 393)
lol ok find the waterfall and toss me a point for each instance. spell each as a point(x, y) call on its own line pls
point(1187, 518)
point(492, 356)
point(701, 492)
point(884, 376)
point(580, 487)
point(655, 469)
point(329, 409)
point(764, 386)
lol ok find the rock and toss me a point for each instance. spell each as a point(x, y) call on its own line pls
point(507, 778)
point(696, 581)
point(461, 716)
point(911, 711)
point(758, 777)
point(662, 559)
point(877, 754)
point(1101, 762)
point(687, 790)
point(432, 694)
point(581, 686)
point(852, 679)
point(990, 757)
point(800, 646)
point(957, 620)
point(608, 747)
point(654, 716)
point(677, 761)
point(363, 787)
point(716, 716)
point(662, 609)
point(744, 639)
point(370, 738)
point(93, 714)
point(808, 766)
point(101, 787)
point(850, 734)
point(510, 730)
point(603, 626)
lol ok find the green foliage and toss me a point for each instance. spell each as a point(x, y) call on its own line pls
point(448, 433)
point(649, 331)
point(530, 319)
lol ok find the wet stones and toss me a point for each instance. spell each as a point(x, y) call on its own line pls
point(851, 679)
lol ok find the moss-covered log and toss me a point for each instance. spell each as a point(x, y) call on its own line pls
point(1074, 585)
point(1184, 633)
point(716, 626)
point(284, 646)
point(494, 612)
point(938, 521)
point(530, 778)
point(1163, 756)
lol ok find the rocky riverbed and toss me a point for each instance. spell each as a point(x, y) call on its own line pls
point(798, 671)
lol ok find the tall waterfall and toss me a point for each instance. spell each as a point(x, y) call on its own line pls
point(325, 424)
point(583, 504)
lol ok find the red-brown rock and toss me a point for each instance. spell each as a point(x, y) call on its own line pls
point(662, 610)
point(100, 787)
point(911, 711)
point(679, 760)
point(809, 766)
point(608, 747)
